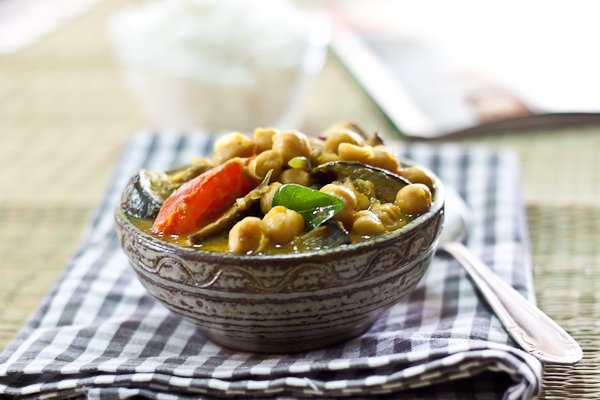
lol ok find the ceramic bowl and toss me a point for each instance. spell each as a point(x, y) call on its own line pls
point(285, 303)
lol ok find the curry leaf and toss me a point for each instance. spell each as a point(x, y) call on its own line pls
point(316, 207)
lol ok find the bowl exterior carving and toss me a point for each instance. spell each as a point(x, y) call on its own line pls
point(285, 303)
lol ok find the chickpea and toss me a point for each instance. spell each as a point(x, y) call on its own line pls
point(351, 152)
point(264, 162)
point(247, 236)
point(291, 144)
point(348, 197)
point(342, 135)
point(390, 215)
point(383, 158)
point(417, 175)
point(346, 125)
point(266, 201)
point(366, 223)
point(263, 138)
point(364, 191)
point(283, 224)
point(296, 175)
point(234, 144)
point(316, 145)
point(414, 199)
point(363, 201)
point(326, 157)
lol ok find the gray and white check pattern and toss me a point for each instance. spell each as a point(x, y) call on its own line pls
point(99, 335)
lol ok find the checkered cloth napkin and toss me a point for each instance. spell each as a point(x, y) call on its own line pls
point(99, 335)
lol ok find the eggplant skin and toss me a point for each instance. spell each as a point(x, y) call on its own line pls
point(387, 184)
point(137, 202)
point(328, 236)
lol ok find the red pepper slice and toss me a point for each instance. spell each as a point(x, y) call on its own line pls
point(199, 201)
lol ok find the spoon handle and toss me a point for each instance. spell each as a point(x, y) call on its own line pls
point(533, 330)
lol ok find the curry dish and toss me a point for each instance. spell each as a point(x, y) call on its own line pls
point(281, 192)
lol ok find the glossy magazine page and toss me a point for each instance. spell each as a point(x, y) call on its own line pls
point(437, 68)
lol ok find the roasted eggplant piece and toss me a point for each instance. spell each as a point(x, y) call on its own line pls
point(327, 236)
point(386, 184)
point(147, 190)
point(139, 200)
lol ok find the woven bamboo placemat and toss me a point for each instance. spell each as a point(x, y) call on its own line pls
point(561, 185)
point(64, 116)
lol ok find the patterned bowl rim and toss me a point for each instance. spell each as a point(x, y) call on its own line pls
point(126, 227)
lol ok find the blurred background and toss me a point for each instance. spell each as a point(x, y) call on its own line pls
point(78, 77)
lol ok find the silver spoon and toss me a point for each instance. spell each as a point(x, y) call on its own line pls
point(533, 330)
